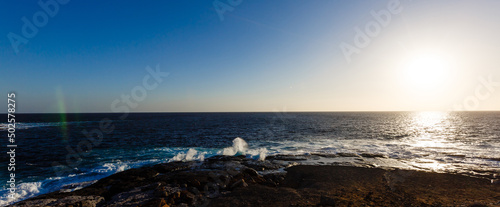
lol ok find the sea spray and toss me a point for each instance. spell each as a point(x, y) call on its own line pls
point(262, 154)
point(239, 147)
point(24, 190)
point(190, 155)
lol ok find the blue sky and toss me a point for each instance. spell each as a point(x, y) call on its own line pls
point(264, 55)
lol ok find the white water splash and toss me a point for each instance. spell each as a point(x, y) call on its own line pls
point(23, 190)
point(262, 154)
point(239, 148)
point(190, 155)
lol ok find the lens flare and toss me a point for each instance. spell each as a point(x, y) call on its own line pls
point(61, 108)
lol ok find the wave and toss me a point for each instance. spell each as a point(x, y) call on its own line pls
point(412, 153)
point(190, 155)
point(239, 147)
point(23, 191)
point(67, 183)
point(85, 177)
point(28, 125)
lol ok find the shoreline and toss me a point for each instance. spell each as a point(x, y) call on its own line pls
point(278, 181)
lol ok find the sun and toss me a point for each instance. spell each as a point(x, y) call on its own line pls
point(426, 72)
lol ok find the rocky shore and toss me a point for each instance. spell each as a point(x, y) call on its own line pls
point(278, 181)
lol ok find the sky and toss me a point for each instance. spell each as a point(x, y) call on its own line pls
point(244, 56)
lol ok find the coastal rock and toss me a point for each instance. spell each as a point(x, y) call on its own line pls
point(76, 201)
point(287, 158)
point(187, 197)
point(136, 197)
point(342, 154)
point(370, 155)
point(327, 201)
point(35, 203)
point(239, 183)
point(236, 181)
point(172, 167)
point(251, 172)
point(478, 205)
point(260, 195)
point(273, 179)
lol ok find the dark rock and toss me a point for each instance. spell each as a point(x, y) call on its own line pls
point(341, 154)
point(259, 195)
point(157, 203)
point(187, 197)
point(369, 155)
point(327, 201)
point(165, 191)
point(226, 158)
point(251, 172)
point(172, 166)
point(368, 196)
point(80, 201)
point(239, 183)
point(478, 205)
point(236, 181)
point(325, 155)
point(287, 158)
point(135, 197)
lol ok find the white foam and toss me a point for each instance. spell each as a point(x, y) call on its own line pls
point(239, 147)
point(23, 190)
point(262, 154)
point(27, 125)
point(448, 155)
point(69, 182)
point(111, 168)
point(412, 152)
point(190, 155)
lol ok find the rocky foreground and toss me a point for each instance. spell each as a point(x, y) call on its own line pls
point(239, 181)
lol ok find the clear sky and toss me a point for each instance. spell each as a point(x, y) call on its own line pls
point(262, 56)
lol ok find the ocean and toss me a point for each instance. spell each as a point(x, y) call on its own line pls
point(69, 151)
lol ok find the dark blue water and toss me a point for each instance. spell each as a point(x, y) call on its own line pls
point(54, 151)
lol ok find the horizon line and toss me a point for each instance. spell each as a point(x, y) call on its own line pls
point(172, 112)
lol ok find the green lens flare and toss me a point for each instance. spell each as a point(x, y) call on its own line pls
point(61, 105)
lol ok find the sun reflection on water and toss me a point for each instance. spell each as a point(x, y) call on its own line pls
point(429, 129)
point(433, 165)
point(432, 119)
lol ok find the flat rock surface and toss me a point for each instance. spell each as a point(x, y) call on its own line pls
point(355, 186)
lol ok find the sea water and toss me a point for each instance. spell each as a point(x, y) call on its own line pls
point(70, 151)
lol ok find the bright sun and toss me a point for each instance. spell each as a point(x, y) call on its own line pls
point(426, 72)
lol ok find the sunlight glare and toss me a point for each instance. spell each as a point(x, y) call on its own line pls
point(427, 124)
point(426, 72)
point(429, 118)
